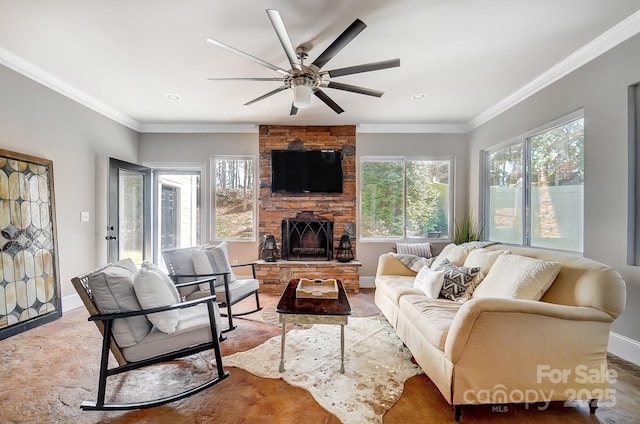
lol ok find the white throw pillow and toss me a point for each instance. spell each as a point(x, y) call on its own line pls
point(202, 266)
point(455, 253)
point(483, 259)
point(219, 258)
point(150, 266)
point(518, 277)
point(152, 292)
point(429, 281)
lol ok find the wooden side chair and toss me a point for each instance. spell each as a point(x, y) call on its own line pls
point(139, 336)
point(206, 261)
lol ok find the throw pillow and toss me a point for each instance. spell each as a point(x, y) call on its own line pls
point(413, 262)
point(150, 266)
point(518, 277)
point(417, 249)
point(152, 292)
point(456, 254)
point(483, 258)
point(459, 282)
point(429, 281)
point(112, 291)
point(219, 258)
point(202, 266)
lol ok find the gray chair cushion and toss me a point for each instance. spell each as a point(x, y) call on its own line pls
point(112, 291)
point(238, 289)
point(179, 262)
point(193, 328)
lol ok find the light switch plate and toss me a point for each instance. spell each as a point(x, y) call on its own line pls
point(84, 216)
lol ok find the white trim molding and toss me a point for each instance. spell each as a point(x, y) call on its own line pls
point(624, 30)
point(367, 282)
point(199, 128)
point(624, 347)
point(71, 302)
point(31, 71)
point(412, 128)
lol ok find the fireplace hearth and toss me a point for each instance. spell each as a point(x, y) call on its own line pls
point(307, 237)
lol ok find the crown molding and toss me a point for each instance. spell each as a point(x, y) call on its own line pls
point(198, 128)
point(25, 68)
point(617, 34)
point(609, 39)
point(411, 128)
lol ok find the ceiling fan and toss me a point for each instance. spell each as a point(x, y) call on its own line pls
point(308, 79)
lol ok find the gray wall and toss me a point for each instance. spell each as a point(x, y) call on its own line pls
point(600, 87)
point(38, 121)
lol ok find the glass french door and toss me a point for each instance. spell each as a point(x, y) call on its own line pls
point(129, 227)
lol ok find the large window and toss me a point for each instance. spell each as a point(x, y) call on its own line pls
point(535, 188)
point(404, 198)
point(234, 198)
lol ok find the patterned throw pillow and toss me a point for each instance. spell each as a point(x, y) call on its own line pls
point(418, 249)
point(459, 282)
point(413, 262)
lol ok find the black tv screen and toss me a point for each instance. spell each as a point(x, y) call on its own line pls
point(306, 171)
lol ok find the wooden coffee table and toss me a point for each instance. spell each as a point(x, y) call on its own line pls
point(292, 309)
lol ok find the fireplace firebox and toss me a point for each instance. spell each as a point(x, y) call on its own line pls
point(307, 237)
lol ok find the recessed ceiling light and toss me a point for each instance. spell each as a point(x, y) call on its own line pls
point(418, 96)
point(172, 96)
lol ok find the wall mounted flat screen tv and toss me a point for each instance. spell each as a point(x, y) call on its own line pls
point(306, 171)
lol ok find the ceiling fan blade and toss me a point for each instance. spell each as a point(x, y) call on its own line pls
point(355, 89)
point(283, 36)
point(270, 93)
point(247, 56)
point(245, 79)
point(327, 100)
point(339, 43)
point(367, 67)
point(294, 110)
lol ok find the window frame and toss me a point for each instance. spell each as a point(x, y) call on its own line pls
point(212, 202)
point(405, 159)
point(524, 140)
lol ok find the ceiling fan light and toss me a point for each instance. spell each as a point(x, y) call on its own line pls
point(301, 96)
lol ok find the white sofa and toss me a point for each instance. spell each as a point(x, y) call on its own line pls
point(491, 350)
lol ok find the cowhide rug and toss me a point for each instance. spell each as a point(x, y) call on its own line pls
point(376, 366)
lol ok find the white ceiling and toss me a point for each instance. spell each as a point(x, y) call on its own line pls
point(472, 58)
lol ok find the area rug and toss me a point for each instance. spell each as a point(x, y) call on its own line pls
point(376, 366)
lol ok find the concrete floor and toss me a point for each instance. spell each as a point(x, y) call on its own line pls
point(47, 372)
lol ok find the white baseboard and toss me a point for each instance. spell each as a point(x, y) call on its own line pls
point(367, 282)
point(71, 302)
point(624, 347)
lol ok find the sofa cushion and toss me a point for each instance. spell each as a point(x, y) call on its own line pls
point(152, 292)
point(396, 286)
point(112, 292)
point(484, 259)
point(459, 282)
point(431, 317)
point(429, 281)
point(456, 254)
point(518, 277)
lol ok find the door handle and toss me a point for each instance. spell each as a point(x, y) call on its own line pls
point(110, 238)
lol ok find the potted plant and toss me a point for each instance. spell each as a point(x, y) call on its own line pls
point(467, 228)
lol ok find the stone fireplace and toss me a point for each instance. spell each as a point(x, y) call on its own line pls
point(307, 245)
